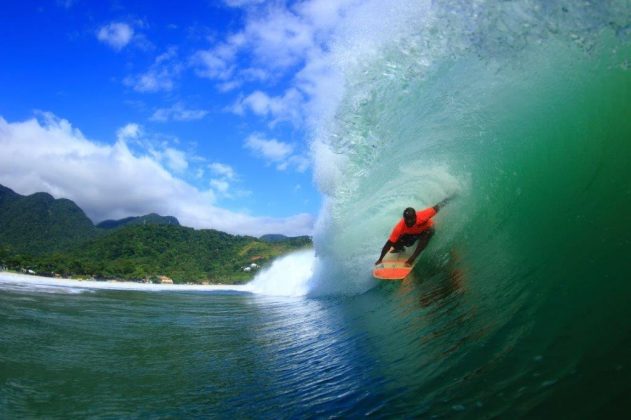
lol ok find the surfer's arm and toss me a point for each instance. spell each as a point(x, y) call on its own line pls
point(417, 251)
point(440, 205)
point(384, 251)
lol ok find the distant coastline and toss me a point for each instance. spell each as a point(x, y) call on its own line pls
point(54, 238)
point(19, 279)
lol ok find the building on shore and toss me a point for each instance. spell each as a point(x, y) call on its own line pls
point(165, 280)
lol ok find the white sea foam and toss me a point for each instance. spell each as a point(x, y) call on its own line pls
point(13, 281)
point(287, 276)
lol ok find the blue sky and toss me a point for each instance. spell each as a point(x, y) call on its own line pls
point(198, 109)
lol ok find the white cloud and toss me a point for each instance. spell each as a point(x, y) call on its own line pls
point(271, 42)
point(259, 102)
point(152, 81)
point(211, 65)
point(228, 86)
point(256, 74)
point(129, 131)
point(279, 41)
point(222, 170)
point(242, 3)
point(280, 108)
point(299, 162)
point(178, 112)
point(50, 155)
point(276, 152)
point(311, 43)
point(225, 176)
point(176, 160)
point(160, 76)
point(220, 185)
point(219, 62)
point(116, 34)
point(323, 14)
point(271, 150)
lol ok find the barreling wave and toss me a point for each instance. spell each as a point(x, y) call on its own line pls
point(521, 110)
point(518, 108)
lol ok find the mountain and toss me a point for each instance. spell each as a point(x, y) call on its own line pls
point(149, 219)
point(7, 196)
point(39, 223)
point(294, 240)
point(273, 238)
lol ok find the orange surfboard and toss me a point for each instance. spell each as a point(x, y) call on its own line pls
point(393, 265)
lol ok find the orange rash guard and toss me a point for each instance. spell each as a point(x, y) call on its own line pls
point(423, 222)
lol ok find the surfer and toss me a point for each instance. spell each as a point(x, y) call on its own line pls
point(414, 226)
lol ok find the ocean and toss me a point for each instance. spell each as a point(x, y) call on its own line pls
point(519, 307)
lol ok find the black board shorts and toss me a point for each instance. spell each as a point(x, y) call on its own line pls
point(408, 239)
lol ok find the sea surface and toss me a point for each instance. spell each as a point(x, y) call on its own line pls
point(519, 307)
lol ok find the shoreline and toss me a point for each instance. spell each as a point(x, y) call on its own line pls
point(8, 277)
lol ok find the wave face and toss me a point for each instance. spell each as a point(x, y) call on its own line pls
point(522, 110)
point(519, 108)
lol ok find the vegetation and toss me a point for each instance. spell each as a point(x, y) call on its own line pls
point(51, 237)
point(149, 219)
point(39, 224)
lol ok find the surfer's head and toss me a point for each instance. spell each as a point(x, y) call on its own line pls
point(409, 216)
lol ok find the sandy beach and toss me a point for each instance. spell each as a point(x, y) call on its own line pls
point(24, 280)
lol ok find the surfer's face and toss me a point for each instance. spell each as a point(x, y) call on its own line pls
point(409, 221)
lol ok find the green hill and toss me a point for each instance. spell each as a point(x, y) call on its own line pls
point(139, 252)
point(50, 236)
point(273, 238)
point(38, 223)
point(149, 219)
point(184, 254)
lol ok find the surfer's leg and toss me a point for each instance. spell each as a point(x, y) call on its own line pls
point(397, 247)
point(424, 238)
point(406, 240)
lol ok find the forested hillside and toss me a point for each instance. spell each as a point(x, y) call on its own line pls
point(55, 237)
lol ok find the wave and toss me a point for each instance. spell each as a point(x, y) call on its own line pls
point(520, 109)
